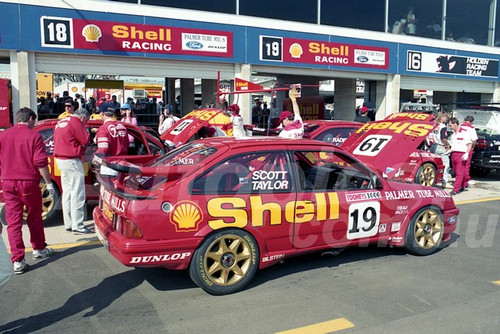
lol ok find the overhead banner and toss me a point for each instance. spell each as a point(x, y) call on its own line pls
point(244, 85)
point(429, 62)
point(60, 32)
point(291, 50)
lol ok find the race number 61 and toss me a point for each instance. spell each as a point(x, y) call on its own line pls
point(56, 32)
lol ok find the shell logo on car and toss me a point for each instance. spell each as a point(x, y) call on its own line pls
point(186, 216)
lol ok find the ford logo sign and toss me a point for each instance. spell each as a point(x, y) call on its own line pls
point(194, 45)
point(362, 59)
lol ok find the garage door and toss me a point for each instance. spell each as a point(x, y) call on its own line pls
point(446, 85)
point(107, 65)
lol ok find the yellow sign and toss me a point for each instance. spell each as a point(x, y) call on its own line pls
point(44, 84)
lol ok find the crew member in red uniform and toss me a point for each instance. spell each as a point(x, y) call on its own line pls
point(70, 139)
point(22, 160)
point(112, 138)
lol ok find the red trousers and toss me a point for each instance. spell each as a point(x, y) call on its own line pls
point(18, 194)
point(459, 166)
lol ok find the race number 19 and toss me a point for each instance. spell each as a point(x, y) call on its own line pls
point(56, 32)
point(271, 48)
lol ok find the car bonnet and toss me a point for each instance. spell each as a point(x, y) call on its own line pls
point(387, 144)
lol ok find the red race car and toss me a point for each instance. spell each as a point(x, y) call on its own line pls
point(418, 166)
point(145, 147)
point(223, 208)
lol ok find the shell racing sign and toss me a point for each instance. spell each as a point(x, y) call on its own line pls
point(61, 32)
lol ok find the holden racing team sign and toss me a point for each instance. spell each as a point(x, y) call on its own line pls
point(429, 62)
point(133, 37)
point(291, 50)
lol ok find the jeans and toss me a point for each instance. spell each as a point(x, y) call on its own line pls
point(73, 192)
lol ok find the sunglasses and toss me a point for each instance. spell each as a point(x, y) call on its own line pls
point(67, 105)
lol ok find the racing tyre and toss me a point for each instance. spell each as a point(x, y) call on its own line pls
point(425, 232)
point(225, 262)
point(426, 175)
point(50, 207)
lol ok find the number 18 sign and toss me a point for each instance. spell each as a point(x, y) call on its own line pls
point(56, 32)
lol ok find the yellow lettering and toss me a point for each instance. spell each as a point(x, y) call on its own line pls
point(314, 47)
point(152, 35)
point(136, 33)
point(237, 213)
point(120, 31)
point(398, 127)
point(419, 130)
point(258, 210)
point(290, 211)
point(334, 205)
point(321, 206)
point(382, 125)
point(304, 211)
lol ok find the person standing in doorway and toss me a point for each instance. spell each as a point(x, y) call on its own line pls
point(70, 139)
point(461, 148)
point(23, 160)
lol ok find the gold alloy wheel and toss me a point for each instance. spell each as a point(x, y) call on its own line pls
point(429, 229)
point(47, 203)
point(228, 260)
point(427, 175)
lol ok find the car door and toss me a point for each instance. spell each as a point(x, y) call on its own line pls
point(337, 200)
point(250, 190)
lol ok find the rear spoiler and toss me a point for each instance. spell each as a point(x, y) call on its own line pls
point(125, 167)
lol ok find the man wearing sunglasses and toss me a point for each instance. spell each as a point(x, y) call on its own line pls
point(69, 109)
point(292, 124)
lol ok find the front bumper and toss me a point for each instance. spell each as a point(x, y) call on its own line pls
point(172, 254)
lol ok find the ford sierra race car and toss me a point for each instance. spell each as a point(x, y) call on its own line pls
point(223, 208)
point(145, 147)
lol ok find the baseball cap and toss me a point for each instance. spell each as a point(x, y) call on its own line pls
point(363, 109)
point(106, 107)
point(285, 114)
point(234, 108)
point(125, 106)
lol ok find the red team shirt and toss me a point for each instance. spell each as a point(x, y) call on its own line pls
point(22, 154)
point(112, 139)
point(70, 137)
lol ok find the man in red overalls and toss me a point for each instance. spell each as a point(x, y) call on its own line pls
point(22, 160)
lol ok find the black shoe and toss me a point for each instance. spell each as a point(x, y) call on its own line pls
point(69, 230)
point(453, 193)
point(461, 190)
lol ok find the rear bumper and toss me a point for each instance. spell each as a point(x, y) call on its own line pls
point(172, 254)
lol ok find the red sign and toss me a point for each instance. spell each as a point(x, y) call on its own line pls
point(243, 85)
point(311, 107)
point(4, 104)
point(131, 37)
point(336, 54)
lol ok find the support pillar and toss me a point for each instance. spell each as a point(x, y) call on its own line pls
point(170, 91)
point(496, 93)
point(208, 92)
point(345, 99)
point(187, 96)
point(388, 96)
point(23, 80)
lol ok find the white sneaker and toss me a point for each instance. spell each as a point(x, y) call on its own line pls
point(42, 254)
point(20, 267)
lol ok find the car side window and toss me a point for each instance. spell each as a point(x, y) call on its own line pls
point(330, 171)
point(335, 136)
point(252, 173)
